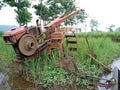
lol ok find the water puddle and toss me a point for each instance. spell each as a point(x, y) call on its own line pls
point(4, 85)
point(14, 83)
point(19, 83)
point(116, 63)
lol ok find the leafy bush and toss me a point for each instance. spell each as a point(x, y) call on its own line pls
point(1, 33)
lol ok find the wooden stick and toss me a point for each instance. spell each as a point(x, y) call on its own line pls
point(106, 67)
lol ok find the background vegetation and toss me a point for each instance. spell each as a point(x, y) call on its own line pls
point(47, 10)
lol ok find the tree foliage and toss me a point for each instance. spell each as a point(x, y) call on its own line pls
point(117, 29)
point(58, 6)
point(42, 11)
point(110, 28)
point(50, 9)
point(1, 4)
point(94, 25)
point(23, 16)
point(81, 17)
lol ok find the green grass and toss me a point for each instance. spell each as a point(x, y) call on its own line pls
point(1, 33)
point(42, 70)
point(6, 56)
point(100, 34)
point(6, 51)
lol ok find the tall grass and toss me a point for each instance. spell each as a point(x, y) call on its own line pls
point(1, 33)
point(6, 56)
point(42, 70)
point(100, 34)
point(6, 51)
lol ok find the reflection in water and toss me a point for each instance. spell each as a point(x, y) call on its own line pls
point(4, 82)
point(116, 63)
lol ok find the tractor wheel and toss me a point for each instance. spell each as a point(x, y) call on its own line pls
point(27, 44)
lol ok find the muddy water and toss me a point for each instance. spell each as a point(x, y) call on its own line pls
point(14, 83)
point(19, 83)
point(116, 63)
point(10, 80)
point(4, 85)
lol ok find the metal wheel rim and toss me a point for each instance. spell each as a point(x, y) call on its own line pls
point(27, 44)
